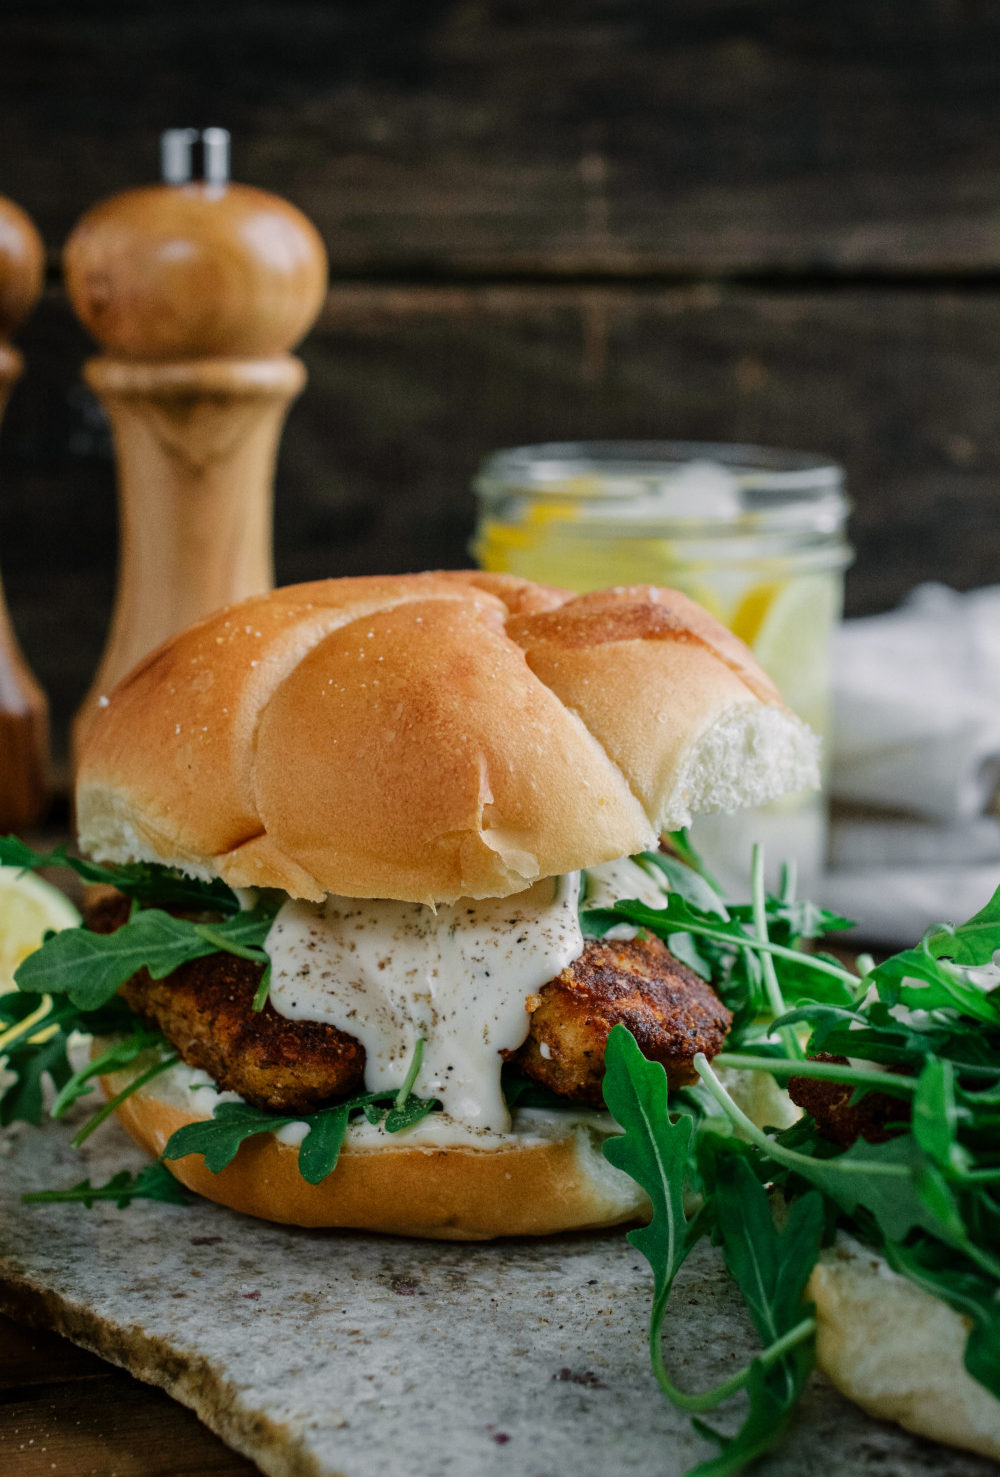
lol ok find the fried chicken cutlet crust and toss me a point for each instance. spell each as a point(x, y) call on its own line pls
point(841, 1120)
point(204, 1008)
point(672, 1013)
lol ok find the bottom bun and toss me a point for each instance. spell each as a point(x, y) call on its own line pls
point(897, 1351)
point(551, 1176)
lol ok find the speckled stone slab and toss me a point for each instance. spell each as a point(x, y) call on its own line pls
point(330, 1353)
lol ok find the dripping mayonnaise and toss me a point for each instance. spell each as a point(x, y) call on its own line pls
point(459, 978)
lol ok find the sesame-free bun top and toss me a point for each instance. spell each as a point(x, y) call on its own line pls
point(429, 737)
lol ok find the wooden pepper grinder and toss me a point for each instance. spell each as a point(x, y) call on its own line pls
point(24, 712)
point(196, 289)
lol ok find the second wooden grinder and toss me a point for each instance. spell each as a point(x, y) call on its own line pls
point(196, 289)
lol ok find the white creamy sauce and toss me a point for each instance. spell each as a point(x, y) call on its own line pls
point(193, 1092)
point(458, 977)
point(606, 884)
point(625, 878)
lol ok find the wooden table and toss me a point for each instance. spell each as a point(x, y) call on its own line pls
point(66, 1413)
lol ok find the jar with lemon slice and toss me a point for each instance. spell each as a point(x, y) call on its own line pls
point(755, 535)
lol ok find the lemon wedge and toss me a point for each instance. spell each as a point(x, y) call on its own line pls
point(787, 625)
point(29, 908)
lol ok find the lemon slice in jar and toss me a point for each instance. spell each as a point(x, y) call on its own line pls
point(29, 908)
point(532, 547)
point(787, 625)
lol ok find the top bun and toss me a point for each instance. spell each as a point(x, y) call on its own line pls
point(432, 736)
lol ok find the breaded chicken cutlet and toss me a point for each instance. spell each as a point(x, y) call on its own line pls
point(204, 1009)
point(875, 1117)
point(670, 1010)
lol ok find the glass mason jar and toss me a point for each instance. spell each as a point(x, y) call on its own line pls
point(754, 535)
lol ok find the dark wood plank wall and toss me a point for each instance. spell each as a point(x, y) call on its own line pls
point(723, 219)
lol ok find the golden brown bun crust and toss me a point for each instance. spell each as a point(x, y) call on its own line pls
point(897, 1351)
point(448, 1194)
point(429, 737)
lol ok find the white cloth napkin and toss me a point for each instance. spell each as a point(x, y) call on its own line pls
point(916, 705)
point(915, 759)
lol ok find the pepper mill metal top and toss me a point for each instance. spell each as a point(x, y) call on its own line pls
point(179, 150)
point(195, 267)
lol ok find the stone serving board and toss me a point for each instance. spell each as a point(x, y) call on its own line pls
point(318, 1353)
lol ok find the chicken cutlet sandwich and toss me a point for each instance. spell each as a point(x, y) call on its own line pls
point(387, 799)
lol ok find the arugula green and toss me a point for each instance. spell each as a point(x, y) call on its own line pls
point(35, 1034)
point(121, 1053)
point(90, 968)
point(771, 1266)
point(727, 944)
point(152, 1182)
point(882, 1179)
point(144, 881)
point(920, 1027)
point(654, 1151)
point(26, 1066)
point(926, 1263)
point(971, 943)
point(219, 1138)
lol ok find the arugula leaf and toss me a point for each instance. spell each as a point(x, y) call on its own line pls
point(764, 1059)
point(263, 990)
point(874, 1033)
point(145, 881)
point(162, 1064)
point(153, 1182)
point(24, 1100)
point(15, 1007)
point(936, 1116)
point(320, 1149)
point(34, 1046)
point(681, 878)
point(681, 845)
point(929, 1197)
point(243, 934)
point(119, 1054)
point(877, 1177)
point(219, 1138)
point(403, 1115)
point(922, 981)
point(522, 1092)
point(790, 920)
point(91, 967)
point(893, 1183)
point(769, 1416)
point(771, 1268)
point(971, 943)
point(654, 1151)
